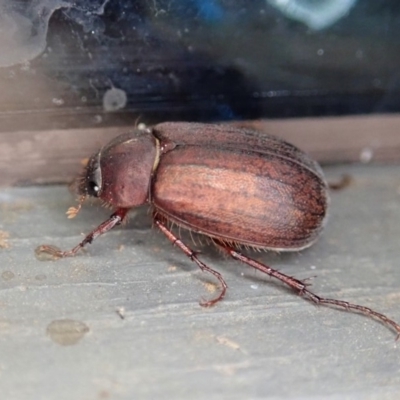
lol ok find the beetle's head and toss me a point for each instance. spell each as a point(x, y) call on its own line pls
point(120, 173)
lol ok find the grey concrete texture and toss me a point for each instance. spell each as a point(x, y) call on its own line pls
point(122, 320)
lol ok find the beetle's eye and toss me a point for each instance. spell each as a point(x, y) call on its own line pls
point(92, 181)
point(93, 188)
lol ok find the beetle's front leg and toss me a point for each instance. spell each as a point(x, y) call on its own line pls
point(115, 219)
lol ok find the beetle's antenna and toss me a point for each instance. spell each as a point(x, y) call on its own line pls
point(72, 212)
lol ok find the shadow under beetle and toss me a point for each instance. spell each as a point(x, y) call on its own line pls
point(234, 185)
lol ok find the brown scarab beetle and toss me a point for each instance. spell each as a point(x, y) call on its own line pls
point(234, 185)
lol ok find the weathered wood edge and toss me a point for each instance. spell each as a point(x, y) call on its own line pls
point(44, 157)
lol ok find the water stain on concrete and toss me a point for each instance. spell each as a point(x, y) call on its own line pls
point(7, 275)
point(66, 332)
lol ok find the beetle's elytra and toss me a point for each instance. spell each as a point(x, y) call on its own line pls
point(235, 185)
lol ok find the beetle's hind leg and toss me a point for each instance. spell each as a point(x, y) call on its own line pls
point(301, 288)
point(192, 255)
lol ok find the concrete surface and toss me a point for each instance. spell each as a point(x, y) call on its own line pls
point(122, 320)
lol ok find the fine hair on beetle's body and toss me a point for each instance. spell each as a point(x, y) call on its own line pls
point(236, 186)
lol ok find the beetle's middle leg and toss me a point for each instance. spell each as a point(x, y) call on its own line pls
point(192, 255)
point(301, 288)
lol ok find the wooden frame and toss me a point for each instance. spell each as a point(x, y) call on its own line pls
point(44, 157)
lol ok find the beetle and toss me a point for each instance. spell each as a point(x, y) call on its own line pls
point(237, 186)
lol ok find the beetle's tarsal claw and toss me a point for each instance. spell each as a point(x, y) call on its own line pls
point(47, 252)
point(207, 303)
